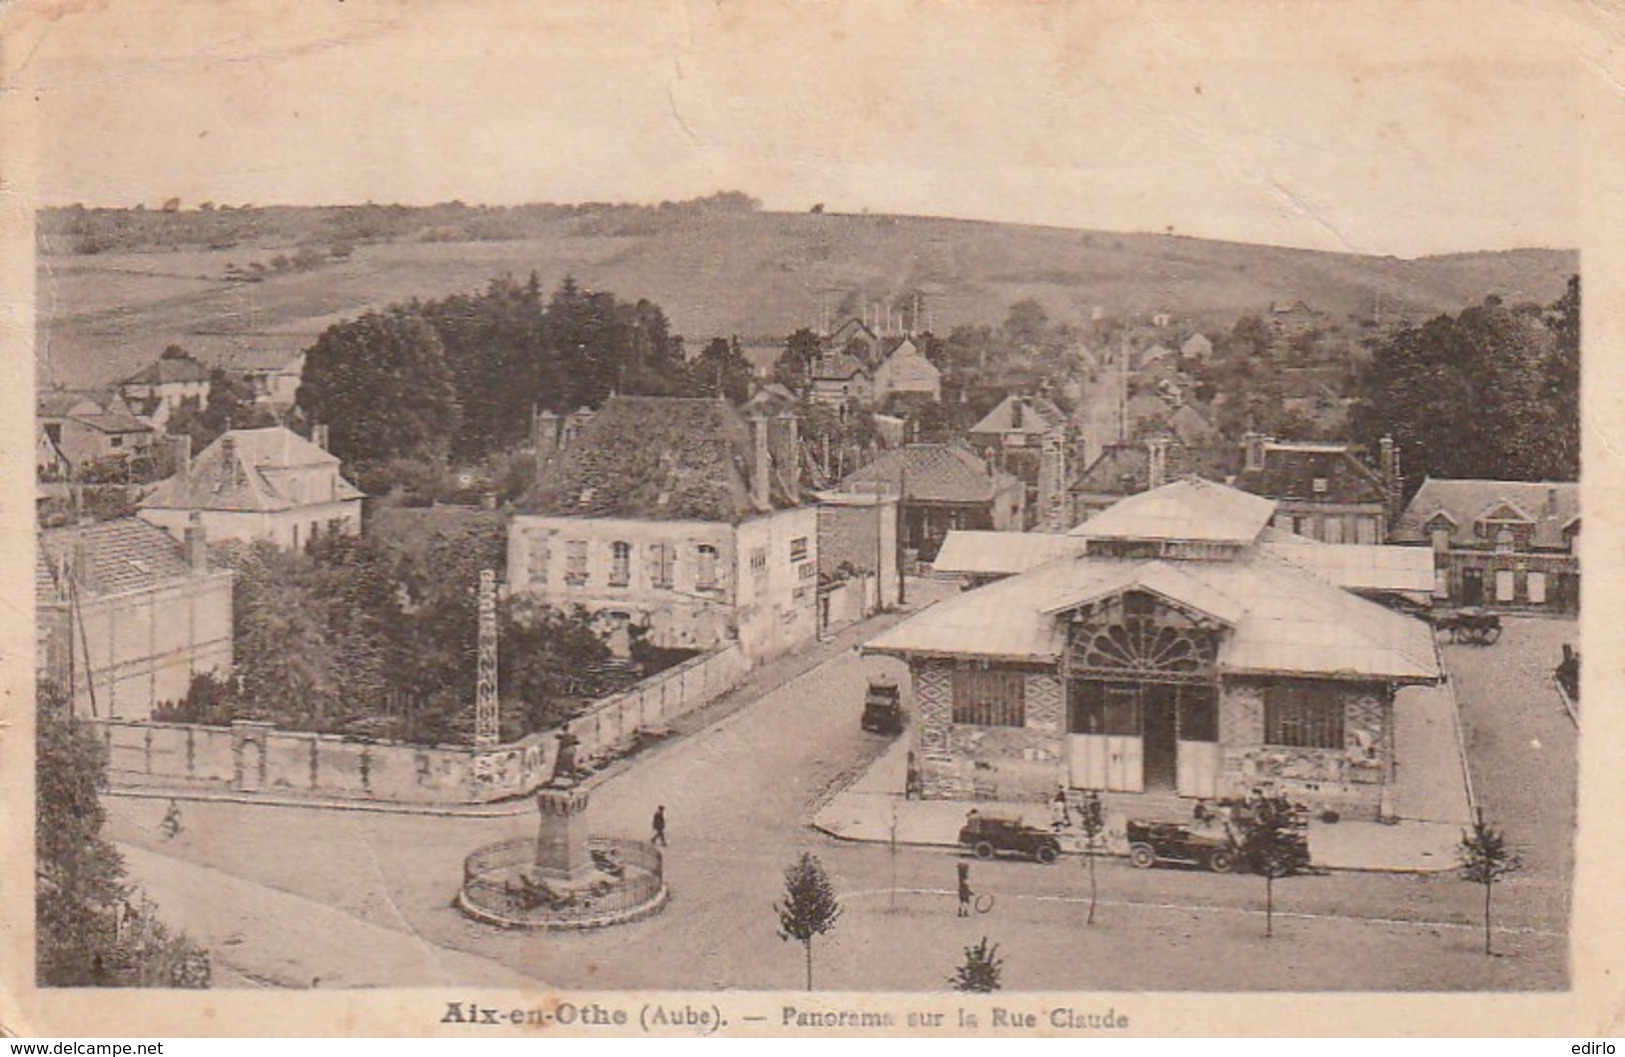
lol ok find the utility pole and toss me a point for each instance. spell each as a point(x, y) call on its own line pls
point(902, 494)
point(487, 717)
point(894, 855)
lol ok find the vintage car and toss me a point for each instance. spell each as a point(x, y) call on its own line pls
point(988, 835)
point(1155, 843)
point(883, 707)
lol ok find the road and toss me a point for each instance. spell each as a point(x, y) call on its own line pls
point(737, 796)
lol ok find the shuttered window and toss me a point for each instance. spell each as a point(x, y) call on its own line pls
point(620, 563)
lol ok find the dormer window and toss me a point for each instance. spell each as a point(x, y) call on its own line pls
point(1505, 540)
point(1320, 485)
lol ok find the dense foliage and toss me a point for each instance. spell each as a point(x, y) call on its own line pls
point(1492, 392)
point(87, 931)
point(361, 637)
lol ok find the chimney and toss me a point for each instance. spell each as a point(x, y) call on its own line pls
point(318, 435)
point(544, 433)
point(791, 467)
point(1254, 443)
point(1551, 503)
point(183, 455)
point(228, 460)
point(761, 487)
point(1156, 449)
point(1015, 412)
point(197, 549)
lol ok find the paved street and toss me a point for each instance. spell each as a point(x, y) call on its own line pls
point(738, 795)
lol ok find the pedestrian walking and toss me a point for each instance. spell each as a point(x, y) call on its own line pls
point(171, 825)
point(660, 826)
point(1060, 813)
point(964, 890)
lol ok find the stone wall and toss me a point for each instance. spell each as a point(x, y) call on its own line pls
point(1349, 780)
point(256, 758)
point(961, 761)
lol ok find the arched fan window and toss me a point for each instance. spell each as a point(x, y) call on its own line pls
point(1141, 639)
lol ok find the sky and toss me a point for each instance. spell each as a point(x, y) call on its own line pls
point(1401, 129)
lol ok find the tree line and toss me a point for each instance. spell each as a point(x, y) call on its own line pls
point(1491, 392)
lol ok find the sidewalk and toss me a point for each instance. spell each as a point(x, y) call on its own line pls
point(873, 809)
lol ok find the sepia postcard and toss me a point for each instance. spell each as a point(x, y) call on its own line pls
point(810, 518)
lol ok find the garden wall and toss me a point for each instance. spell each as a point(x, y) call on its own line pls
point(257, 758)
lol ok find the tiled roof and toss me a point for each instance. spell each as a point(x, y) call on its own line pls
point(1291, 470)
point(932, 473)
point(1552, 504)
point(248, 482)
point(1037, 414)
point(659, 458)
point(99, 410)
point(1190, 509)
point(1283, 620)
point(167, 370)
point(979, 553)
point(122, 555)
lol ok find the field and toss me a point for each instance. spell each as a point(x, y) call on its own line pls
point(103, 316)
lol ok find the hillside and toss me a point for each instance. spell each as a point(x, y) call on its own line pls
point(726, 271)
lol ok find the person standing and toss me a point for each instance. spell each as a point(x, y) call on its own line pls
point(659, 826)
point(964, 890)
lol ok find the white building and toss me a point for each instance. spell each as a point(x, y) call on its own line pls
point(259, 484)
point(674, 516)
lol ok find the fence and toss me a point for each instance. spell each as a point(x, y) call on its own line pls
point(249, 757)
point(494, 889)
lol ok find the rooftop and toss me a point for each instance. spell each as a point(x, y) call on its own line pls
point(1551, 505)
point(932, 473)
point(659, 458)
point(240, 472)
point(1190, 510)
point(1281, 619)
point(122, 555)
point(170, 370)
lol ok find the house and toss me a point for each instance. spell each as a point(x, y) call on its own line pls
point(839, 379)
point(674, 516)
point(1027, 436)
point(1501, 543)
point(1290, 318)
point(904, 371)
point(1191, 427)
point(1126, 469)
point(272, 374)
point(1157, 353)
point(1177, 654)
point(156, 391)
point(1324, 491)
point(259, 484)
point(126, 615)
point(857, 558)
point(87, 428)
point(943, 487)
point(1197, 347)
point(855, 338)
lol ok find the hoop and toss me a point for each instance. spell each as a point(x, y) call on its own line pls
point(984, 902)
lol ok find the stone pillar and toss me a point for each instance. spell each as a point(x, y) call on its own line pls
point(561, 838)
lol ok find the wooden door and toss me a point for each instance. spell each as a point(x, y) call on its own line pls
point(1105, 748)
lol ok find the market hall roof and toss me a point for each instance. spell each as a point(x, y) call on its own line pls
point(1284, 620)
point(1355, 566)
point(1190, 510)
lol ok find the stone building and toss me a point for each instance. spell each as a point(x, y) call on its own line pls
point(259, 484)
point(126, 616)
point(1181, 652)
point(1501, 543)
point(674, 516)
point(943, 487)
